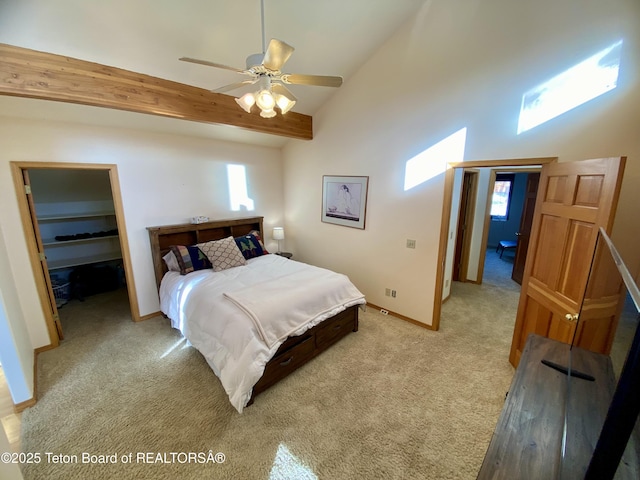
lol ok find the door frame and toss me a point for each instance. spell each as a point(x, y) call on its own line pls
point(17, 169)
point(446, 216)
point(464, 232)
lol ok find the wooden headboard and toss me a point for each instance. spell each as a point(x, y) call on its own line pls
point(191, 233)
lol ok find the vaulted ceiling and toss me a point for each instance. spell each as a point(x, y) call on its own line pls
point(331, 37)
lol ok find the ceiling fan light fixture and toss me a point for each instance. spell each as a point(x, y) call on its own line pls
point(265, 69)
point(285, 104)
point(265, 100)
point(246, 101)
point(268, 113)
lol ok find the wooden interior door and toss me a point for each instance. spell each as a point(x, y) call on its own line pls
point(574, 200)
point(602, 305)
point(43, 258)
point(465, 224)
point(524, 233)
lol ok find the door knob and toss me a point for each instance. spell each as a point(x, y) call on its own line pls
point(572, 318)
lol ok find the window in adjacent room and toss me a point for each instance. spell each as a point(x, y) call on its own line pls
point(501, 199)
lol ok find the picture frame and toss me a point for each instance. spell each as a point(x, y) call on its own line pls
point(344, 200)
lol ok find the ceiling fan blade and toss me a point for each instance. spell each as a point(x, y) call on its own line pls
point(212, 64)
point(277, 54)
point(233, 86)
point(282, 90)
point(317, 80)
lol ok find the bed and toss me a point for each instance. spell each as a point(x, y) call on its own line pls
point(257, 322)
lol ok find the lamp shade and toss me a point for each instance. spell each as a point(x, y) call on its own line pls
point(265, 100)
point(284, 98)
point(268, 113)
point(278, 233)
point(246, 101)
point(284, 103)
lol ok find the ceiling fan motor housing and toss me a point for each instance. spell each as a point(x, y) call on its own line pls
point(254, 60)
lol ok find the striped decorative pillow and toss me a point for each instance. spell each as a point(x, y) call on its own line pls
point(189, 258)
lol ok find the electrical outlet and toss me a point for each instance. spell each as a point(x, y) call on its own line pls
point(393, 293)
point(446, 284)
point(411, 243)
point(387, 292)
point(384, 312)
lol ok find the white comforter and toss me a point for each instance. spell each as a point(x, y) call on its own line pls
point(236, 331)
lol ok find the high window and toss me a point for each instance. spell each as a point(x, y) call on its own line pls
point(501, 199)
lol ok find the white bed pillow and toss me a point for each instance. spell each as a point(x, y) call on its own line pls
point(223, 254)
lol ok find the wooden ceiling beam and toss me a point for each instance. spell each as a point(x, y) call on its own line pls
point(33, 74)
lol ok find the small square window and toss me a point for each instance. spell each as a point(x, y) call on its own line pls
point(501, 199)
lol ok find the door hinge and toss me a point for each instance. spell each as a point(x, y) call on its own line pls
point(56, 317)
point(27, 189)
point(42, 256)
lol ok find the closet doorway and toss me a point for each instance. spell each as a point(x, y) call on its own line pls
point(74, 224)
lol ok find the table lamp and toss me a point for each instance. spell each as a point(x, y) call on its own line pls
point(278, 234)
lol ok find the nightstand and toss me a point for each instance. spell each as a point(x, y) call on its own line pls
point(285, 254)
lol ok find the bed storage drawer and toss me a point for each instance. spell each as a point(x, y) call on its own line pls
point(287, 361)
point(334, 329)
point(296, 351)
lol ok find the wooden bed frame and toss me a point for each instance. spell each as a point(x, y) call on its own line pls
point(295, 351)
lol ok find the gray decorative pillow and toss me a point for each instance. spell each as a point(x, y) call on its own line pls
point(171, 261)
point(223, 253)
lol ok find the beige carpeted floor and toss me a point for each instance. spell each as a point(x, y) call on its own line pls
point(392, 401)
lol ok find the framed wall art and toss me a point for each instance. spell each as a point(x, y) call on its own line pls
point(344, 200)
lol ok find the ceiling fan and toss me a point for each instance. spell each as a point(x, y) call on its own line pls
point(265, 70)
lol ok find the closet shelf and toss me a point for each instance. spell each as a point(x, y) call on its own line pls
point(52, 242)
point(74, 262)
point(72, 216)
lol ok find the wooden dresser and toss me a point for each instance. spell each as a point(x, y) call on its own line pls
point(527, 441)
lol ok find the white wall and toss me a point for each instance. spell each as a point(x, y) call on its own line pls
point(165, 179)
point(16, 352)
point(457, 64)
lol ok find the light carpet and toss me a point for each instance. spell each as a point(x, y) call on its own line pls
point(392, 401)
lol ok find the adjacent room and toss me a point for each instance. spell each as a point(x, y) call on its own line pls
point(403, 145)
